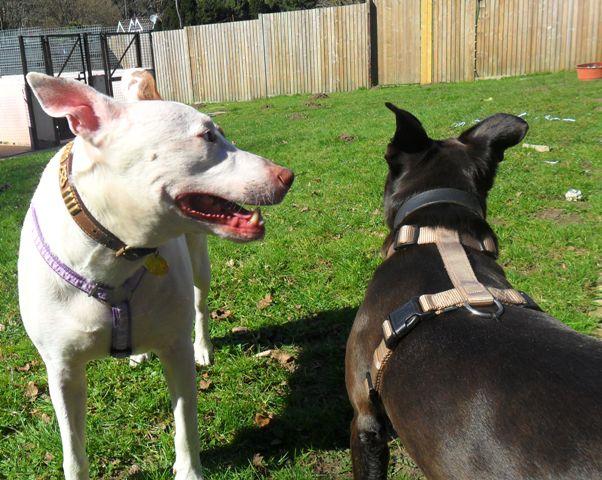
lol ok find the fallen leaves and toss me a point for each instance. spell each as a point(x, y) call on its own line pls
point(258, 461)
point(32, 390)
point(41, 415)
point(265, 302)
point(240, 330)
point(205, 383)
point(285, 359)
point(220, 314)
point(282, 356)
point(262, 421)
point(347, 137)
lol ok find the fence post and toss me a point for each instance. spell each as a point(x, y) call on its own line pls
point(426, 42)
point(372, 43)
point(192, 94)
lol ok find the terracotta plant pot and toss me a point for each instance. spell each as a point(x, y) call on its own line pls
point(589, 71)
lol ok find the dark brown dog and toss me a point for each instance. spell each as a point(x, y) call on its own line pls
point(514, 397)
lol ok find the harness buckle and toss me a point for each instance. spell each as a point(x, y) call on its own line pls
point(499, 310)
point(405, 236)
point(400, 322)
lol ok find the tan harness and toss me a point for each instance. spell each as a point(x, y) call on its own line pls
point(468, 292)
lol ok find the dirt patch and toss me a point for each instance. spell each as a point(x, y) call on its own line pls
point(267, 106)
point(347, 137)
point(318, 96)
point(297, 116)
point(312, 104)
point(11, 150)
point(597, 100)
point(559, 216)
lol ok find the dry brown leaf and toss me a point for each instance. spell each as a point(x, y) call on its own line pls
point(24, 368)
point(205, 384)
point(2, 327)
point(258, 461)
point(230, 263)
point(265, 302)
point(49, 457)
point(262, 420)
point(240, 330)
point(134, 469)
point(31, 390)
point(282, 356)
point(220, 314)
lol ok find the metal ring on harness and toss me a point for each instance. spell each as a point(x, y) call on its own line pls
point(498, 312)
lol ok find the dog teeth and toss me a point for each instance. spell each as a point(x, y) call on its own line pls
point(256, 218)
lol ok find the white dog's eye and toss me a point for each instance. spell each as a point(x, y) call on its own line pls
point(208, 135)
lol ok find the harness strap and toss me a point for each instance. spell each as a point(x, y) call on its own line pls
point(408, 235)
point(458, 268)
point(467, 292)
point(413, 235)
point(117, 298)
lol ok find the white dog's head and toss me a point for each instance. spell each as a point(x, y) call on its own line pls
point(167, 164)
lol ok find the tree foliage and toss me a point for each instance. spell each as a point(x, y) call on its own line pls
point(55, 13)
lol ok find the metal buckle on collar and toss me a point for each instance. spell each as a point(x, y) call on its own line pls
point(413, 241)
point(400, 322)
point(133, 253)
point(499, 310)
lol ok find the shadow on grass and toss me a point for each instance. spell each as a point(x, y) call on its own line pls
point(317, 411)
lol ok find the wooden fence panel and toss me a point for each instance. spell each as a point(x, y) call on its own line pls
point(398, 41)
point(517, 37)
point(227, 61)
point(172, 65)
point(453, 40)
point(329, 49)
point(319, 50)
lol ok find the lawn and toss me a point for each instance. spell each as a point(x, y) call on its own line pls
point(298, 290)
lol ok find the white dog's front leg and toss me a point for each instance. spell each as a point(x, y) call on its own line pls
point(67, 385)
point(180, 372)
point(201, 270)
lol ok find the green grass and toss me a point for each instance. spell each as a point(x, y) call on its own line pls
point(321, 248)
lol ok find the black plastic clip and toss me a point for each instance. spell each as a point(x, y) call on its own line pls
point(400, 322)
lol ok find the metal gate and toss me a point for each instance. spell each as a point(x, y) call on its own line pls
point(96, 59)
point(121, 51)
point(53, 55)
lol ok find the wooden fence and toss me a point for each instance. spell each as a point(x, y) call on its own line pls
point(378, 42)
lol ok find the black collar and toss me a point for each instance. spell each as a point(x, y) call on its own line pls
point(438, 195)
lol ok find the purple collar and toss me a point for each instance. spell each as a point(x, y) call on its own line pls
point(118, 298)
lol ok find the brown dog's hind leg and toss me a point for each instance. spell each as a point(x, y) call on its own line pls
point(369, 448)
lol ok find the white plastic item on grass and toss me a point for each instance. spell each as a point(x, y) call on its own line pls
point(573, 195)
point(537, 148)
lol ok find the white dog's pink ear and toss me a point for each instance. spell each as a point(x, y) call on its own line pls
point(86, 109)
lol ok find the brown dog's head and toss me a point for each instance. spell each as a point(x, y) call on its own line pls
point(140, 85)
point(469, 162)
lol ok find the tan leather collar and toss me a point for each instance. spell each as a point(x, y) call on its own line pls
point(85, 220)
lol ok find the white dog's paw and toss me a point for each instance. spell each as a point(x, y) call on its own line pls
point(136, 360)
point(203, 353)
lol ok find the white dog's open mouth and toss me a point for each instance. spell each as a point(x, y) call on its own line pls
point(234, 218)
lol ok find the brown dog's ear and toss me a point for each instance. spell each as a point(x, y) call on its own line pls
point(140, 85)
point(496, 133)
point(87, 110)
point(410, 136)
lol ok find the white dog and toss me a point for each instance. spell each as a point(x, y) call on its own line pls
point(139, 84)
point(139, 180)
